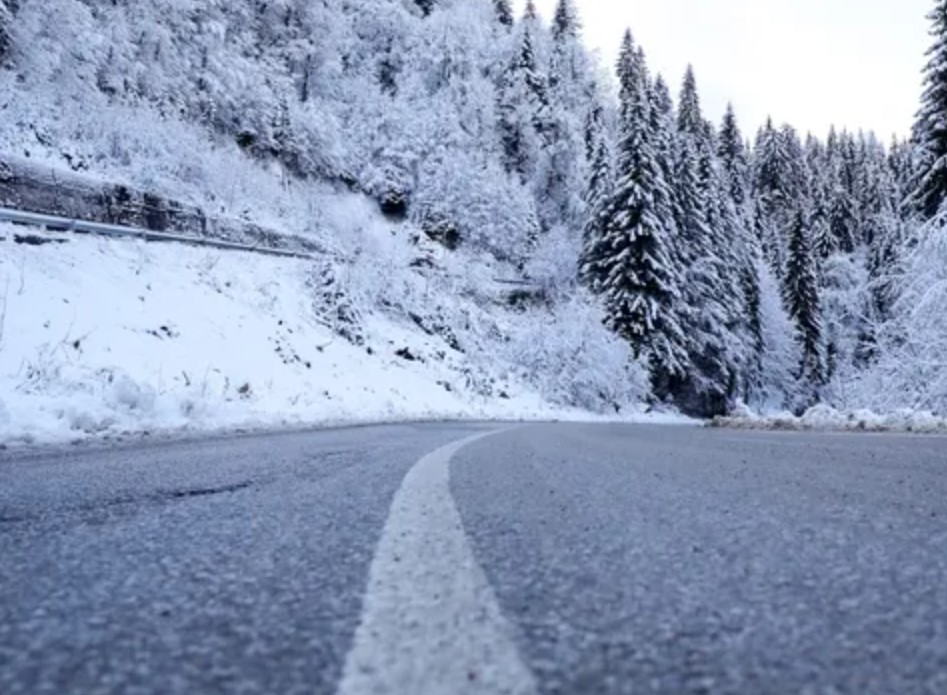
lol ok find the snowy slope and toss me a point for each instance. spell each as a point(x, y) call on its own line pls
point(102, 337)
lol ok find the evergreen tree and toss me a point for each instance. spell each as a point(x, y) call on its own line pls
point(732, 153)
point(640, 286)
point(668, 384)
point(704, 223)
point(662, 127)
point(565, 164)
point(6, 21)
point(565, 21)
point(930, 128)
point(824, 241)
point(691, 187)
point(689, 120)
point(597, 199)
point(801, 294)
point(504, 12)
point(747, 254)
point(780, 189)
point(426, 6)
point(523, 104)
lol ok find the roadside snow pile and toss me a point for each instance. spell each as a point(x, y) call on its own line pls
point(102, 337)
point(826, 418)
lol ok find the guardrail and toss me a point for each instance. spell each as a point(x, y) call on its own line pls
point(65, 224)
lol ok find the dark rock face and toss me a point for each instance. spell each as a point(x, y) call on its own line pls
point(34, 188)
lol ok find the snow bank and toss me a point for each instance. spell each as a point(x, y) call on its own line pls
point(826, 418)
point(105, 337)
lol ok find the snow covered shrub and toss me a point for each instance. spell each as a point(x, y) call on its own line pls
point(552, 266)
point(486, 207)
point(332, 305)
point(572, 359)
point(124, 393)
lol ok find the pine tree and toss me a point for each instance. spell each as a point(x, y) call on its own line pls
point(426, 6)
point(567, 62)
point(691, 189)
point(565, 21)
point(689, 120)
point(668, 385)
point(6, 21)
point(930, 128)
point(597, 199)
point(504, 12)
point(640, 286)
point(747, 254)
point(801, 295)
point(780, 189)
point(565, 163)
point(528, 68)
point(732, 153)
point(662, 127)
point(523, 104)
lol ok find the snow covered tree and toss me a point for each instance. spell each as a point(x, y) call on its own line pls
point(708, 226)
point(523, 106)
point(930, 128)
point(746, 256)
point(801, 294)
point(563, 167)
point(640, 285)
point(6, 21)
point(731, 150)
point(504, 12)
point(565, 21)
point(597, 199)
point(426, 6)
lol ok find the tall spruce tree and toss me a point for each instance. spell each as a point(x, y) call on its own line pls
point(801, 295)
point(565, 165)
point(565, 21)
point(731, 150)
point(640, 285)
point(6, 21)
point(930, 128)
point(709, 291)
point(735, 175)
point(504, 12)
point(523, 105)
point(592, 262)
point(426, 6)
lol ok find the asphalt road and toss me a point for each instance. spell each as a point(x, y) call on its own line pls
point(546, 558)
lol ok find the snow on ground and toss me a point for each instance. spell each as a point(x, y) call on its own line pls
point(828, 419)
point(103, 337)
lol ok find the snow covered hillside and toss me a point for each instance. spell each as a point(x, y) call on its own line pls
point(101, 337)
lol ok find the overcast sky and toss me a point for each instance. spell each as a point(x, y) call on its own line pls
point(812, 63)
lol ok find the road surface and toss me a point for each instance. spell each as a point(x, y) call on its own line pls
point(478, 559)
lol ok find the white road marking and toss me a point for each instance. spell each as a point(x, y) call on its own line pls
point(430, 622)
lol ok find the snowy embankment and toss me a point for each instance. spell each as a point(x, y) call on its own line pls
point(827, 419)
point(101, 337)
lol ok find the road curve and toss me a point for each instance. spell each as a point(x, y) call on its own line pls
point(589, 558)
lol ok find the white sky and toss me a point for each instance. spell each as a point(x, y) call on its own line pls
point(811, 63)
